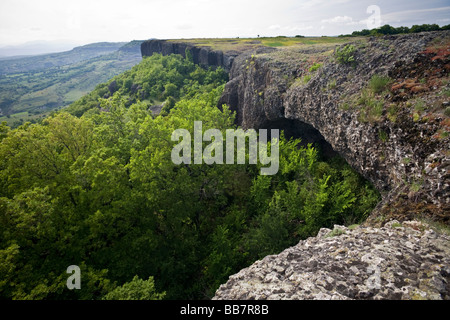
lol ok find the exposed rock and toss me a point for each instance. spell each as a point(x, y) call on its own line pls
point(156, 109)
point(398, 261)
point(406, 158)
point(204, 56)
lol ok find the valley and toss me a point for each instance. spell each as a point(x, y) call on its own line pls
point(33, 87)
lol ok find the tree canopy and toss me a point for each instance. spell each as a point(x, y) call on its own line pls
point(95, 186)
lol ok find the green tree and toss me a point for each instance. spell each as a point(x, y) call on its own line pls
point(136, 289)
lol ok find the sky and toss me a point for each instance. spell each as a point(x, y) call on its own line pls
point(88, 21)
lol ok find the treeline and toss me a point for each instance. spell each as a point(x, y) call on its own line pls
point(100, 191)
point(387, 29)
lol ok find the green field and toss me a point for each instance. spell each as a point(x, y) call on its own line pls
point(242, 44)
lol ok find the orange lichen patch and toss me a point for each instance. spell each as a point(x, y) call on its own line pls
point(418, 88)
point(435, 164)
point(439, 52)
point(411, 85)
point(435, 82)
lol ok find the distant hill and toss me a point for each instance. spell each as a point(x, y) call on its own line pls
point(32, 48)
point(34, 86)
point(45, 61)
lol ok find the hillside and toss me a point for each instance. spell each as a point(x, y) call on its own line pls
point(380, 102)
point(33, 48)
point(46, 61)
point(360, 198)
point(32, 87)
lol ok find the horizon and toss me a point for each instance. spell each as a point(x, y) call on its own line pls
point(43, 46)
point(84, 22)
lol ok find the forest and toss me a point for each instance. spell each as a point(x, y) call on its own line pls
point(93, 185)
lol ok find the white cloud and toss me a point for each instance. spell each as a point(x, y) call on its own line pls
point(114, 20)
point(338, 19)
point(274, 27)
point(344, 20)
point(417, 14)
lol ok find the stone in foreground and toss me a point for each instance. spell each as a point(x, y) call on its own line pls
point(404, 261)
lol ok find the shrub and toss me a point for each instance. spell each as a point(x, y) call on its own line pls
point(345, 55)
point(336, 232)
point(371, 107)
point(137, 289)
point(392, 113)
point(378, 83)
point(383, 135)
point(331, 84)
point(315, 67)
point(306, 78)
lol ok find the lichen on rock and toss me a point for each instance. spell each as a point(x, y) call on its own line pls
point(406, 260)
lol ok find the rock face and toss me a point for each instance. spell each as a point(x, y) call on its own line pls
point(400, 150)
point(204, 56)
point(397, 261)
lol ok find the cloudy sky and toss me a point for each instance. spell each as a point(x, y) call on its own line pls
point(87, 21)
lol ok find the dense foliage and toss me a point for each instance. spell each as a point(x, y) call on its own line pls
point(155, 81)
point(100, 191)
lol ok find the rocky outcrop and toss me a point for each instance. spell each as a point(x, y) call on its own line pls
point(402, 153)
point(204, 56)
point(398, 261)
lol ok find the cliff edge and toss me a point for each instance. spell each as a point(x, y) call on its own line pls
point(201, 55)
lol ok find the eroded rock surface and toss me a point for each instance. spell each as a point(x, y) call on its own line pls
point(405, 260)
point(204, 56)
point(403, 148)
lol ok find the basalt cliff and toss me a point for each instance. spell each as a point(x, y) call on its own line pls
point(383, 104)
